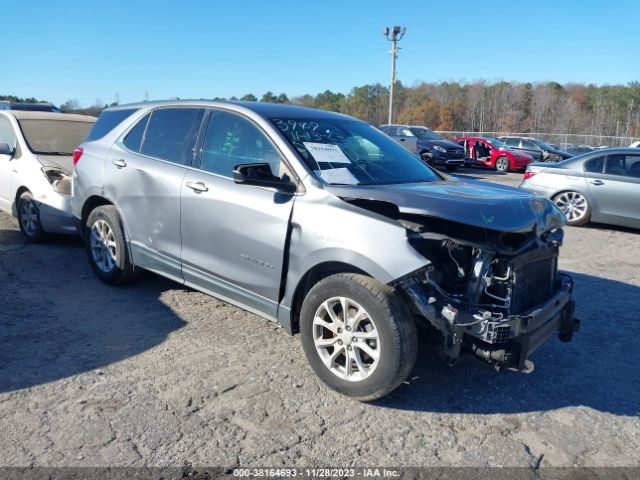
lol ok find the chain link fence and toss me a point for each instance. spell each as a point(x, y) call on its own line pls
point(555, 138)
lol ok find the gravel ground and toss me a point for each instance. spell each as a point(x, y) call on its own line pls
point(156, 374)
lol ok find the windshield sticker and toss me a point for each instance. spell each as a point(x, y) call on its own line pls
point(338, 176)
point(325, 152)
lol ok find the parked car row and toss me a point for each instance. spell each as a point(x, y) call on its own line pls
point(503, 154)
point(430, 146)
point(312, 219)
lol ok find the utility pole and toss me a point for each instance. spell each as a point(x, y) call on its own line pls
point(394, 35)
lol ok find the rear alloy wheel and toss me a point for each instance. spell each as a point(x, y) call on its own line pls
point(358, 335)
point(574, 206)
point(502, 164)
point(29, 218)
point(106, 247)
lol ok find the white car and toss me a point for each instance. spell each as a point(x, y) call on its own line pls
point(635, 144)
point(36, 161)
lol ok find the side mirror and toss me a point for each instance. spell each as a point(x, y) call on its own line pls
point(260, 175)
point(5, 149)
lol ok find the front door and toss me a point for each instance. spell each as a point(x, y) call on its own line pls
point(233, 236)
point(617, 190)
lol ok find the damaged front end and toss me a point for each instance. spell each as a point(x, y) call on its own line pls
point(491, 285)
point(496, 295)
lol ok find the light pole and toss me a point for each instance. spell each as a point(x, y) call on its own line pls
point(394, 35)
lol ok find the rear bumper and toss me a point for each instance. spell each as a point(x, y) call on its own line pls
point(540, 190)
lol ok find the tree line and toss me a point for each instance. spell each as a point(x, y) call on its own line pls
point(574, 108)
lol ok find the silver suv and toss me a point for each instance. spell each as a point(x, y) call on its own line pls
point(322, 223)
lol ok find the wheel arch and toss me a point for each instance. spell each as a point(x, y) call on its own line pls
point(310, 278)
point(89, 205)
point(19, 192)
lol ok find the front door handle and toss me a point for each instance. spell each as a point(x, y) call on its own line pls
point(197, 187)
point(120, 163)
point(597, 182)
point(403, 139)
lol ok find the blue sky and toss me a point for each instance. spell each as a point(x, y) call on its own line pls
point(88, 50)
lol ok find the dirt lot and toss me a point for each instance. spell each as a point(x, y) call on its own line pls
point(156, 374)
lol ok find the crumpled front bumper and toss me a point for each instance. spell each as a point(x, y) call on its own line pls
point(505, 342)
point(530, 330)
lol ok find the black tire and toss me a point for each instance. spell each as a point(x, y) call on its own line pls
point(451, 168)
point(502, 164)
point(122, 271)
point(583, 219)
point(29, 219)
point(394, 323)
point(427, 158)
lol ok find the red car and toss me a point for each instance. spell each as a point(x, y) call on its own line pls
point(493, 153)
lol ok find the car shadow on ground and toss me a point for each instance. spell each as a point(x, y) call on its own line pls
point(598, 369)
point(615, 228)
point(43, 335)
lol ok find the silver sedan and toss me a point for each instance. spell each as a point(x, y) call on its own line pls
point(601, 186)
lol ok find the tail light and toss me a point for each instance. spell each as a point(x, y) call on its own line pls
point(77, 153)
point(528, 175)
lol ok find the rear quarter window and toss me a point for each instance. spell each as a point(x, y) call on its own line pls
point(107, 121)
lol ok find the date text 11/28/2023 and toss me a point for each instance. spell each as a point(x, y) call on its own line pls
point(373, 472)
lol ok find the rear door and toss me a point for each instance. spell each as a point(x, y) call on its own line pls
point(407, 139)
point(233, 236)
point(617, 190)
point(530, 147)
point(144, 174)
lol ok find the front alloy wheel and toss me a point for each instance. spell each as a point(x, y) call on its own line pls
point(358, 335)
point(574, 206)
point(29, 218)
point(346, 339)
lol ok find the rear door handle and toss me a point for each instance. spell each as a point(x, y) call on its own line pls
point(197, 187)
point(119, 163)
point(597, 182)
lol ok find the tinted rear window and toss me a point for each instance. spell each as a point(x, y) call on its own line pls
point(133, 140)
point(171, 134)
point(107, 121)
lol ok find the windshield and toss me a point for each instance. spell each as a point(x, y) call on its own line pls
point(498, 144)
point(349, 152)
point(546, 146)
point(425, 134)
point(54, 137)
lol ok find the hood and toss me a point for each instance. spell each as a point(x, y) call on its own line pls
point(475, 203)
point(443, 143)
point(63, 162)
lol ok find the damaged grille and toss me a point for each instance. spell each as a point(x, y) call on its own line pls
point(500, 334)
point(534, 279)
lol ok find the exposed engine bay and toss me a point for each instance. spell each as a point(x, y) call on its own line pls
point(487, 291)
